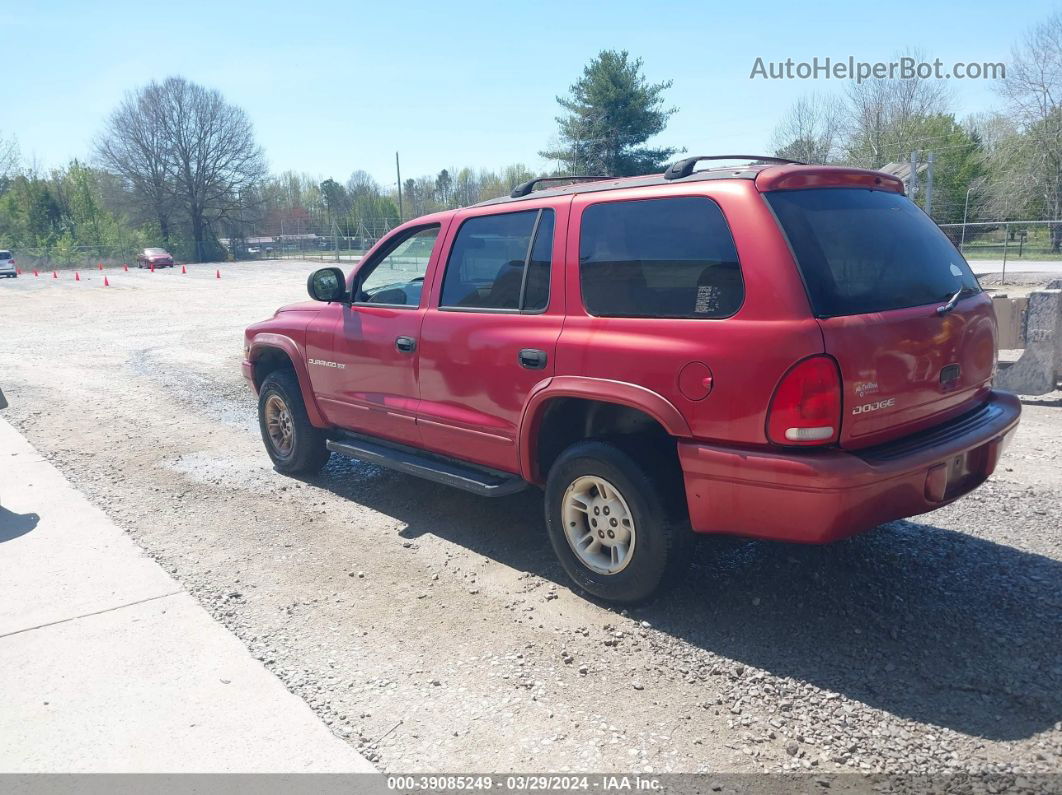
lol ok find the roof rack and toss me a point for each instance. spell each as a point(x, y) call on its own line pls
point(684, 168)
point(525, 188)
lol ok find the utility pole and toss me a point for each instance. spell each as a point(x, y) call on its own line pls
point(912, 181)
point(965, 210)
point(928, 204)
point(398, 173)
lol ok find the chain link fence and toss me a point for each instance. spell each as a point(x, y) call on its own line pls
point(1007, 240)
point(312, 242)
point(73, 257)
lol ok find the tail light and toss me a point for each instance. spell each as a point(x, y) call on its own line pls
point(806, 407)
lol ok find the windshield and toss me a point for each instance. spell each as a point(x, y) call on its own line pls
point(865, 251)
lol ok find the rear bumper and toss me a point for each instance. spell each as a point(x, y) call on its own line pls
point(819, 496)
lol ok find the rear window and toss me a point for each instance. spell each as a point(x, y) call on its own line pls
point(868, 251)
point(5, 255)
point(659, 258)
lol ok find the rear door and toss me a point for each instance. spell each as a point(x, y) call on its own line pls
point(681, 294)
point(879, 274)
point(490, 333)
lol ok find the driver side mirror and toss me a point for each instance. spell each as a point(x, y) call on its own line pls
point(327, 284)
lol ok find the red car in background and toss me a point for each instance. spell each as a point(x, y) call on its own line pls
point(159, 257)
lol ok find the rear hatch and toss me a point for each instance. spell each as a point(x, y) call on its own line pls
point(899, 308)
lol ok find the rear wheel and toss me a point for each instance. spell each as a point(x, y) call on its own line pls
point(295, 446)
point(610, 524)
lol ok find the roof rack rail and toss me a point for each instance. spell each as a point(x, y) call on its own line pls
point(525, 188)
point(684, 168)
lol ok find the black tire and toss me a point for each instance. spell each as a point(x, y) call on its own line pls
point(308, 452)
point(661, 533)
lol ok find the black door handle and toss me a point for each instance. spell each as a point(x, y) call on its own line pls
point(405, 344)
point(532, 358)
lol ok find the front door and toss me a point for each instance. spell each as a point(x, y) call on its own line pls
point(490, 333)
point(372, 366)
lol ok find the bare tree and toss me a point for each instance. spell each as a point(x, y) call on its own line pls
point(181, 145)
point(361, 185)
point(134, 145)
point(212, 151)
point(811, 130)
point(1008, 187)
point(1033, 91)
point(885, 115)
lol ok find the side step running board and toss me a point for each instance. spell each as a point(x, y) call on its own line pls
point(440, 469)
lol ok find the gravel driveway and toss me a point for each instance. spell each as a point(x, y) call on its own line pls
point(434, 630)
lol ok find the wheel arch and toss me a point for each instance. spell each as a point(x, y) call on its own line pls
point(269, 352)
point(593, 390)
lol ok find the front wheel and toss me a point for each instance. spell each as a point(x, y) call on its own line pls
point(610, 526)
point(296, 446)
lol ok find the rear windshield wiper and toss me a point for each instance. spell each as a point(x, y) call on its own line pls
point(943, 310)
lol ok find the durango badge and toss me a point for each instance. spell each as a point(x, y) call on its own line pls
point(324, 363)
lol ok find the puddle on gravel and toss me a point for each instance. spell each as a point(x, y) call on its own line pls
point(255, 473)
point(248, 474)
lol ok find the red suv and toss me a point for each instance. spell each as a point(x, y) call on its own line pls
point(773, 350)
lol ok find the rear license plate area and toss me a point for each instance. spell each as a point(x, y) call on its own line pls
point(966, 471)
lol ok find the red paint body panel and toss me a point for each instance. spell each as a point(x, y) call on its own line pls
point(472, 388)
point(774, 322)
point(820, 496)
point(899, 355)
point(794, 177)
point(464, 394)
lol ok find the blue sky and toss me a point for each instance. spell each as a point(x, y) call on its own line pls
point(337, 86)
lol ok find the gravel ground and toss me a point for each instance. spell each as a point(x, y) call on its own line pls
point(434, 631)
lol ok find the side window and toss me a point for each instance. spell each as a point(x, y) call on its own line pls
point(500, 262)
point(397, 277)
point(659, 258)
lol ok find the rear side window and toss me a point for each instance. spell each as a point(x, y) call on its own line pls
point(868, 251)
point(500, 262)
point(659, 258)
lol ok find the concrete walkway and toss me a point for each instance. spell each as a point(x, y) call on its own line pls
point(108, 665)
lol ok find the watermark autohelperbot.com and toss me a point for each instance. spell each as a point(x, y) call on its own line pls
point(904, 68)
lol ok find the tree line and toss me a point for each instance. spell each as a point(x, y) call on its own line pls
point(1001, 165)
point(177, 165)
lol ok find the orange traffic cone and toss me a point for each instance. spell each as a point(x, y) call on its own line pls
point(105, 282)
point(217, 273)
point(184, 269)
point(152, 267)
point(125, 267)
point(77, 276)
point(36, 274)
point(55, 275)
point(99, 265)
